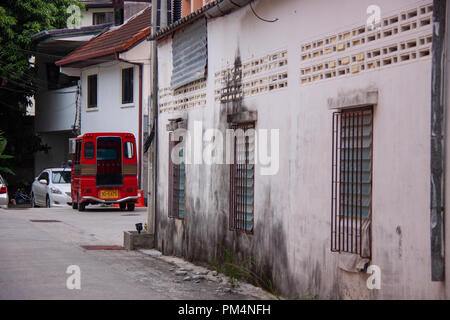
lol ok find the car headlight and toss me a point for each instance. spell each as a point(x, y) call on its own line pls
point(55, 190)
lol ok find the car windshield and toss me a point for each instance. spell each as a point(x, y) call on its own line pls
point(61, 176)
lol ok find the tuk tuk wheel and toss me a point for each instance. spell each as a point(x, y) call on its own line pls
point(123, 206)
point(81, 207)
point(130, 206)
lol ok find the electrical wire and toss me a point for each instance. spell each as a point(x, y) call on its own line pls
point(28, 77)
point(256, 15)
point(37, 53)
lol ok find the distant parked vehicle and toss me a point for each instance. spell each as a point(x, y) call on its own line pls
point(104, 170)
point(21, 197)
point(52, 188)
point(4, 199)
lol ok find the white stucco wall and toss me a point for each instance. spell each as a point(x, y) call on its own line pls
point(86, 15)
point(55, 110)
point(111, 115)
point(297, 199)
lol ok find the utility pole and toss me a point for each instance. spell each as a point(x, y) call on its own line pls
point(158, 6)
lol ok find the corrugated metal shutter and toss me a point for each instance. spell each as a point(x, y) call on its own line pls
point(189, 50)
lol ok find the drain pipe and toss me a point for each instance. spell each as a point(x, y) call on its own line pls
point(438, 141)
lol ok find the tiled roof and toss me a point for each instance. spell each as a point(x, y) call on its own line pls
point(63, 32)
point(115, 40)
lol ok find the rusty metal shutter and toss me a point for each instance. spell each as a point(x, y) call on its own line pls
point(189, 54)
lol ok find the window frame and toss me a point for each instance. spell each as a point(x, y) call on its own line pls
point(125, 150)
point(105, 15)
point(234, 167)
point(93, 150)
point(348, 188)
point(90, 106)
point(130, 102)
point(173, 168)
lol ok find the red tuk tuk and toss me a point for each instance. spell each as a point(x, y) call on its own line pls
point(104, 170)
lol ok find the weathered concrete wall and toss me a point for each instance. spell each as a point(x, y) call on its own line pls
point(291, 240)
point(447, 151)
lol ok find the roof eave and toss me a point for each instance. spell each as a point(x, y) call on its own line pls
point(70, 32)
point(101, 53)
point(211, 10)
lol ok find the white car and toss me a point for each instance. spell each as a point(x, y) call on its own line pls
point(52, 188)
point(3, 193)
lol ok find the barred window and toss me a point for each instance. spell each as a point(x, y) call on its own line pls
point(243, 178)
point(352, 181)
point(177, 176)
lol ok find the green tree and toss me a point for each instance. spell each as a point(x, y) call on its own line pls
point(19, 20)
point(4, 167)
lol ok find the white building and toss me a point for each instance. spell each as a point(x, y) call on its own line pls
point(57, 99)
point(114, 69)
point(305, 69)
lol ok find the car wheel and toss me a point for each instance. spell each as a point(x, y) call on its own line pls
point(47, 202)
point(81, 207)
point(130, 206)
point(33, 201)
point(74, 205)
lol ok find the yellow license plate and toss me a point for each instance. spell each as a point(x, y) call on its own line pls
point(109, 194)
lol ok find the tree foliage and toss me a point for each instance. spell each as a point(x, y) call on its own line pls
point(19, 21)
point(4, 166)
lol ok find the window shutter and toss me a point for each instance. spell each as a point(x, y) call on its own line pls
point(189, 54)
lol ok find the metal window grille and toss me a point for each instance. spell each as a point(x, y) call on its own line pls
point(177, 176)
point(243, 178)
point(352, 181)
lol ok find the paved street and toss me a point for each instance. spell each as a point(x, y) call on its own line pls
point(34, 257)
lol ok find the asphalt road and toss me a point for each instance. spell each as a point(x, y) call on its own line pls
point(35, 256)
